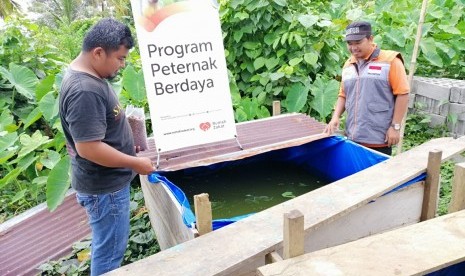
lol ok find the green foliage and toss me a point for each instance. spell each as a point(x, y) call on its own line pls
point(275, 50)
point(447, 174)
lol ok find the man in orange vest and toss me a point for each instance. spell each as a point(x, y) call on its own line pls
point(374, 92)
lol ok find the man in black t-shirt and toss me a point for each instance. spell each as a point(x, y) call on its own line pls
point(99, 140)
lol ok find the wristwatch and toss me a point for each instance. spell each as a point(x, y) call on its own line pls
point(396, 126)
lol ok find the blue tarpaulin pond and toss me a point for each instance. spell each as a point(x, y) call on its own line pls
point(329, 159)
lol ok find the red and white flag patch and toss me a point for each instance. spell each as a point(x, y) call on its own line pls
point(374, 70)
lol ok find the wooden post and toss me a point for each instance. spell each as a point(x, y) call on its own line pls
point(203, 213)
point(276, 108)
point(457, 202)
point(430, 198)
point(412, 67)
point(294, 234)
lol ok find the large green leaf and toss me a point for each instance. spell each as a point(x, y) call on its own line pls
point(7, 140)
point(23, 164)
point(296, 97)
point(259, 63)
point(58, 183)
point(50, 158)
point(6, 118)
point(48, 106)
point(325, 93)
point(45, 86)
point(428, 47)
point(307, 20)
point(133, 82)
point(23, 79)
point(31, 143)
point(6, 155)
point(32, 117)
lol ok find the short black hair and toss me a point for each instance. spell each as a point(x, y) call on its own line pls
point(109, 34)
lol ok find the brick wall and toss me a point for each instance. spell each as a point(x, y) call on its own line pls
point(439, 98)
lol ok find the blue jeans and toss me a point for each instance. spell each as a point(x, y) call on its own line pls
point(108, 216)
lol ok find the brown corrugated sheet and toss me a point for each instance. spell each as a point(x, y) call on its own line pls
point(42, 237)
point(255, 137)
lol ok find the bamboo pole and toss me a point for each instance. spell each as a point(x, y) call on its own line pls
point(412, 68)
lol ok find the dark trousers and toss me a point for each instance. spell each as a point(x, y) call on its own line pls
point(385, 150)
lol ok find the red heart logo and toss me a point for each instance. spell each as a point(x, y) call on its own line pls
point(204, 126)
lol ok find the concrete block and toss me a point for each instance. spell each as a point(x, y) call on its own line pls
point(455, 95)
point(459, 128)
point(411, 100)
point(433, 91)
point(457, 109)
point(437, 120)
point(444, 109)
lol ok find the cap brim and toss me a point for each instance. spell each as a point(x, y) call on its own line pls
point(354, 37)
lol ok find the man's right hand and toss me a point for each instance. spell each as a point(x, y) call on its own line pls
point(144, 166)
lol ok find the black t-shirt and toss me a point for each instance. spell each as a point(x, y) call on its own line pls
point(90, 111)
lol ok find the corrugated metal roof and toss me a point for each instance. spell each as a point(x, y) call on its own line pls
point(254, 136)
point(41, 237)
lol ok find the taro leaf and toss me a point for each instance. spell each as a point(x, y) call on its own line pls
point(428, 47)
point(325, 93)
point(50, 158)
point(58, 183)
point(296, 97)
point(307, 20)
point(48, 106)
point(7, 140)
point(5, 155)
point(5, 119)
point(397, 36)
point(133, 82)
point(23, 164)
point(23, 79)
point(45, 86)
point(282, 3)
point(31, 143)
point(32, 117)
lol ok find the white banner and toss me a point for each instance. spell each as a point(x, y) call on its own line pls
point(182, 52)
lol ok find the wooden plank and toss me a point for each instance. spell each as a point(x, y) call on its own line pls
point(458, 189)
point(413, 250)
point(203, 213)
point(276, 108)
point(294, 234)
point(165, 215)
point(230, 248)
point(430, 200)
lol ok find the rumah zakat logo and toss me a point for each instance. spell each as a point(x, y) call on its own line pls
point(205, 126)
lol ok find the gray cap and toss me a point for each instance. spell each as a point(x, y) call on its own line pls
point(358, 30)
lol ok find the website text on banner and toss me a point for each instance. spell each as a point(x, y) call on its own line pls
point(185, 72)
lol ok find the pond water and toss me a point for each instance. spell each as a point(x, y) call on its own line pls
point(246, 188)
